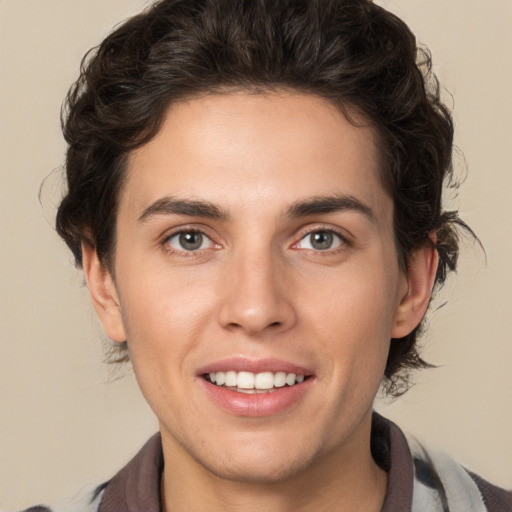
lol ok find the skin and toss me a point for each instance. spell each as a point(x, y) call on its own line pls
point(257, 288)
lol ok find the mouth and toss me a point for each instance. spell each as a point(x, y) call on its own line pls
point(256, 388)
point(254, 383)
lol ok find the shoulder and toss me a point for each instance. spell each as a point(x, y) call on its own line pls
point(421, 479)
point(88, 501)
point(440, 483)
point(495, 498)
point(136, 487)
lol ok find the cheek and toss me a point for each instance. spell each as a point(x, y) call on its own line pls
point(164, 314)
point(361, 299)
point(354, 320)
point(156, 297)
point(357, 336)
point(163, 321)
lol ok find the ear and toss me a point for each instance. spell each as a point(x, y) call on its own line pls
point(421, 273)
point(103, 294)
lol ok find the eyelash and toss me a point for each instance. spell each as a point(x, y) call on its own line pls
point(184, 252)
point(344, 242)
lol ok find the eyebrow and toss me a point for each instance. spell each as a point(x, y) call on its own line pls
point(319, 205)
point(192, 208)
point(323, 205)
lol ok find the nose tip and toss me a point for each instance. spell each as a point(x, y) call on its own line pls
point(256, 300)
point(254, 321)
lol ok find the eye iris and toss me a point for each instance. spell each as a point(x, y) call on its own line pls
point(191, 240)
point(322, 240)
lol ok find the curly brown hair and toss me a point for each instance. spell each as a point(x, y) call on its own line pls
point(351, 52)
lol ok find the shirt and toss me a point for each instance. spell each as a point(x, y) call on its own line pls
point(418, 480)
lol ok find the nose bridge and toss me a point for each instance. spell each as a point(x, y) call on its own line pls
point(255, 297)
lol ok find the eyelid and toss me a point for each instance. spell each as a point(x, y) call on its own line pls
point(176, 231)
point(176, 236)
point(341, 234)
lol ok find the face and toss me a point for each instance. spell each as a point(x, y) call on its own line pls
point(257, 282)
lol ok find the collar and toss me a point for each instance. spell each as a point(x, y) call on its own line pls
point(136, 488)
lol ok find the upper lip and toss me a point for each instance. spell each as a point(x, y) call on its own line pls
point(242, 364)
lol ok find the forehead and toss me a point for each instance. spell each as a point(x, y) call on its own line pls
point(239, 147)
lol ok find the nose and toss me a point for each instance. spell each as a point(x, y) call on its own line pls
point(256, 295)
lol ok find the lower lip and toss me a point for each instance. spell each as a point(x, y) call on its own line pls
point(258, 404)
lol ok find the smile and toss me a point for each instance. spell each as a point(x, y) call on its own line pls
point(252, 383)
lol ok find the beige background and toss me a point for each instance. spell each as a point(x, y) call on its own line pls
point(66, 423)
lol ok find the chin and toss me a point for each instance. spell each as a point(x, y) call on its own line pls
point(256, 457)
point(258, 470)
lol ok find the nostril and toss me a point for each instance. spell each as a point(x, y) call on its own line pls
point(273, 324)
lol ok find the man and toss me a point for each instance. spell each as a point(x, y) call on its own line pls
point(254, 195)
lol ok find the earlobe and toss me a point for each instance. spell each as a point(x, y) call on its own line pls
point(421, 273)
point(103, 294)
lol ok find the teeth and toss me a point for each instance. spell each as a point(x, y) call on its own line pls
point(231, 380)
point(279, 379)
point(290, 379)
point(264, 380)
point(220, 378)
point(247, 381)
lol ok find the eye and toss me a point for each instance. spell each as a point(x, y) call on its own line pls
point(189, 241)
point(321, 240)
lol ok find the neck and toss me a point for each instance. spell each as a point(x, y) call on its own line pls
point(345, 480)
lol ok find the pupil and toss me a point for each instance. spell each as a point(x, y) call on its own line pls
point(191, 240)
point(322, 240)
